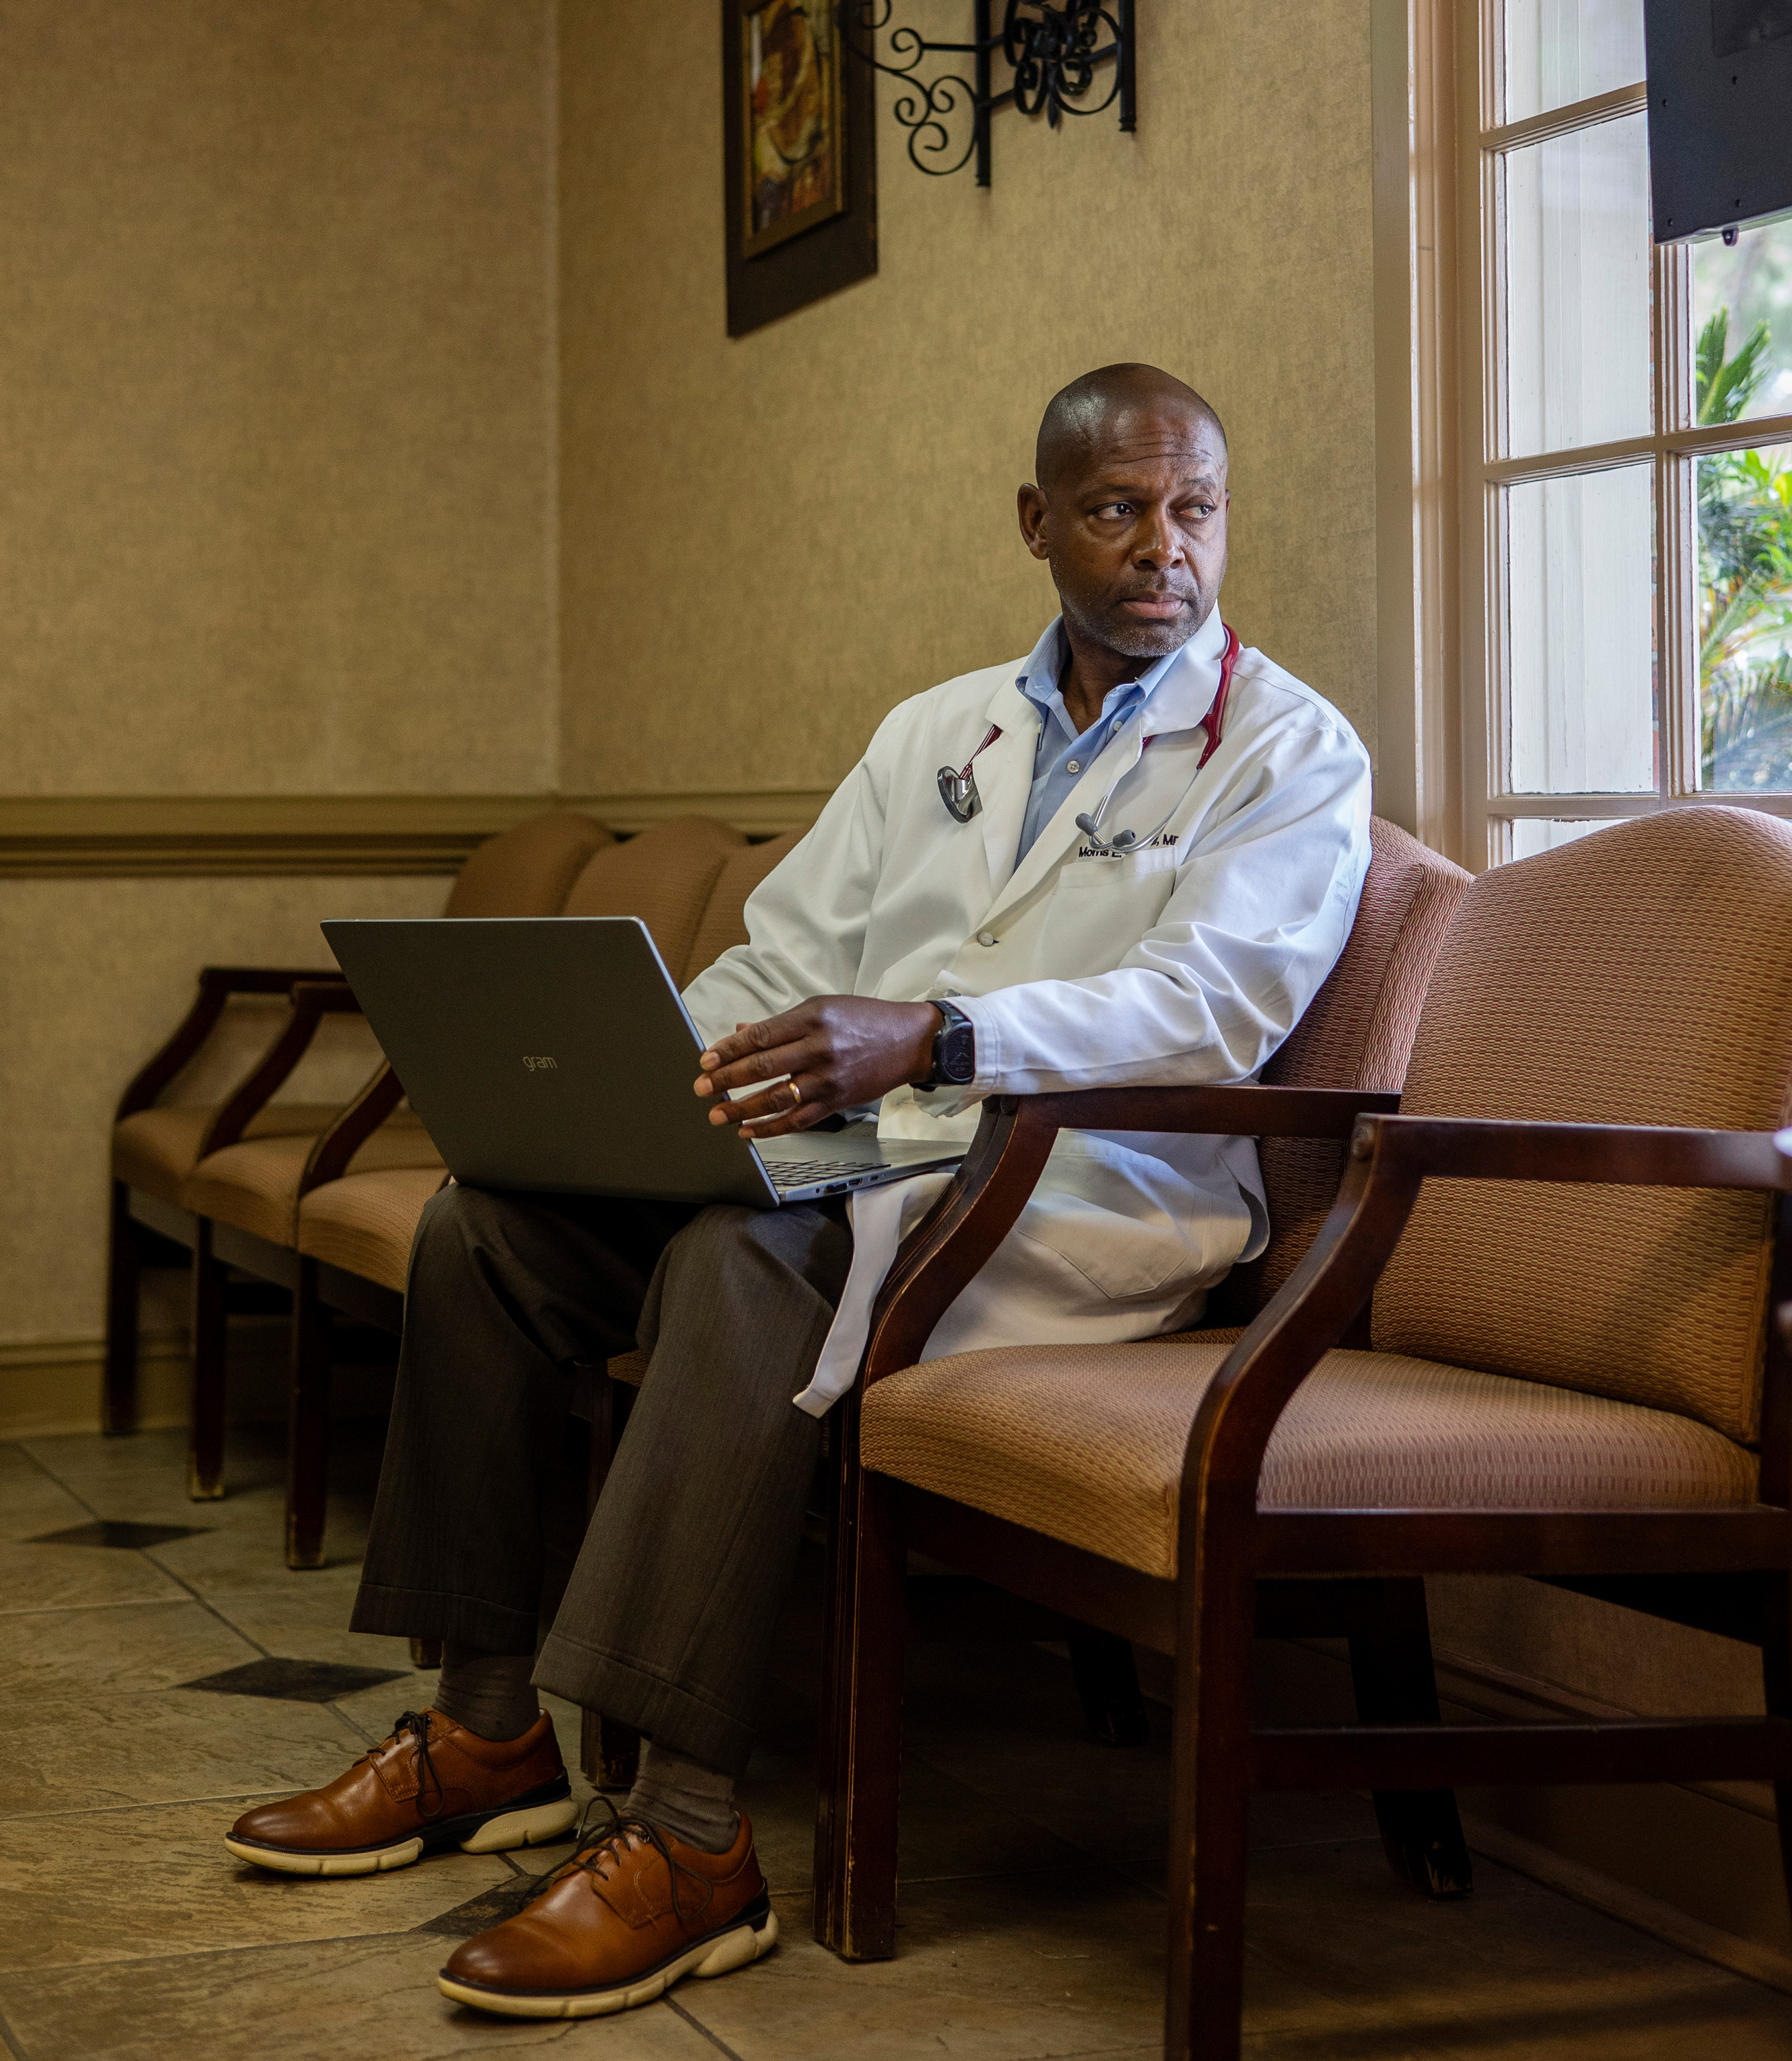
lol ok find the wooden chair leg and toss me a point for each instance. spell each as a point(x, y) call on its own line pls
point(1396, 1684)
point(205, 1456)
point(859, 1763)
point(124, 1275)
point(1107, 1682)
point(308, 1435)
point(1209, 1801)
point(426, 1653)
point(609, 1752)
point(1776, 1670)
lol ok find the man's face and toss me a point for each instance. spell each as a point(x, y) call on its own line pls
point(1133, 528)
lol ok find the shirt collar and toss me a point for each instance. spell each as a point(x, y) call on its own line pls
point(1038, 678)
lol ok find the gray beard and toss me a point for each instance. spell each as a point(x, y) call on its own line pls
point(1133, 639)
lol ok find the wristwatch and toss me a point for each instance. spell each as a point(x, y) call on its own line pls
point(954, 1049)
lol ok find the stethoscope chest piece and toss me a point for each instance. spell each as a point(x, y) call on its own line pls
point(958, 792)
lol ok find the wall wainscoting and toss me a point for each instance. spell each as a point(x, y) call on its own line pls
point(50, 837)
point(48, 1385)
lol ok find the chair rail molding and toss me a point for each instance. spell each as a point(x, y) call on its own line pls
point(97, 837)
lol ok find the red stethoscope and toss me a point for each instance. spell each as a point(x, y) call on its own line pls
point(958, 790)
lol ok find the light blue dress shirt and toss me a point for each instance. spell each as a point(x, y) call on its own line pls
point(1061, 757)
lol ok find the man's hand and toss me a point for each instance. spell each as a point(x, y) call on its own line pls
point(839, 1050)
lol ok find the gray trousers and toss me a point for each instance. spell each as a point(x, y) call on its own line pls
point(667, 1613)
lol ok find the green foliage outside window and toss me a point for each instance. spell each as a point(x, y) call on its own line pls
point(1745, 553)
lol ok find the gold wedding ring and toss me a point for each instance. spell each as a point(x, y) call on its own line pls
point(796, 1095)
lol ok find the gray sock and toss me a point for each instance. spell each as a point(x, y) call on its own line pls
point(489, 1693)
point(684, 1798)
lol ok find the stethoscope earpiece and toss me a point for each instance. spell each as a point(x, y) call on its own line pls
point(1109, 847)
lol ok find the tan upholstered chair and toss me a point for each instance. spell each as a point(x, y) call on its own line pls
point(1568, 1375)
point(156, 1146)
point(1356, 1035)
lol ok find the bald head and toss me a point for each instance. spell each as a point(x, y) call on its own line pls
point(1129, 509)
point(1087, 415)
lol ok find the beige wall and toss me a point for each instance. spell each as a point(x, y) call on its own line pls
point(278, 501)
point(276, 459)
point(767, 543)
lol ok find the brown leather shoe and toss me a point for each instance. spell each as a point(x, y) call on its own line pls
point(432, 1784)
point(632, 1911)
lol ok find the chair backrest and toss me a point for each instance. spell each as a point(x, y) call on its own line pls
point(1640, 975)
point(1357, 1032)
point(527, 871)
point(664, 875)
point(724, 920)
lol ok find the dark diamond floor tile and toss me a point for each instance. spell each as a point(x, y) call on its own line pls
point(295, 1681)
point(120, 1537)
point(491, 1907)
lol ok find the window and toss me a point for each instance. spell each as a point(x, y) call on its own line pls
point(1627, 515)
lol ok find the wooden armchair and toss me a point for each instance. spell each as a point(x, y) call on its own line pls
point(242, 1195)
point(155, 1148)
point(1569, 1374)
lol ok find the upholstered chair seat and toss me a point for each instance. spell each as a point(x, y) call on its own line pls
point(364, 1222)
point(157, 1149)
point(255, 1186)
point(1084, 1443)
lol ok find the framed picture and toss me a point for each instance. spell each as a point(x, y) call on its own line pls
point(800, 184)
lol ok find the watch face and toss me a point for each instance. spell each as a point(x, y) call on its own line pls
point(957, 1054)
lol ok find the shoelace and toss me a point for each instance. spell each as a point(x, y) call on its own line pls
point(417, 1723)
point(608, 1843)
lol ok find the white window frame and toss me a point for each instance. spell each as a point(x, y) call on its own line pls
point(1439, 255)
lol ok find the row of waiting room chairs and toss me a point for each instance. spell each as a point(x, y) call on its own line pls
point(322, 1202)
point(1556, 1376)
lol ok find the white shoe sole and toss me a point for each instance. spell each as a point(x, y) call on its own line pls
point(539, 1825)
point(721, 1956)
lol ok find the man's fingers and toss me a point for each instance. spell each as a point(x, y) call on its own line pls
point(751, 1037)
point(758, 1067)
point(776, 1101)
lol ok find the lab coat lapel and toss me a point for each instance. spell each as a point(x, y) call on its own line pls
point(1058, 836)
point(1005, 778)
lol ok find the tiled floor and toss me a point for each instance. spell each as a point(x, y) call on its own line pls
point(1032, 1909)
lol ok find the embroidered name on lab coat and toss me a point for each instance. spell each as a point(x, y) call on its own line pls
point(1153, 844)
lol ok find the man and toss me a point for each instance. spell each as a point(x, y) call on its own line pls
point(1134, 857)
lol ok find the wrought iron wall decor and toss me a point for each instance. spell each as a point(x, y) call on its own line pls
point(1054, 50)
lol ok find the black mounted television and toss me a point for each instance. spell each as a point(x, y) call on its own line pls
point(1720, 113)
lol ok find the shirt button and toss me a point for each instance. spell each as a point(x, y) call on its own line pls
point(986, 937)
point(1072, 767)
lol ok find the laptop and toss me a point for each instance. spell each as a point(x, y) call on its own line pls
point(553, 1053)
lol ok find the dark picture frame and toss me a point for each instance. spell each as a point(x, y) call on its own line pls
point(799, 159)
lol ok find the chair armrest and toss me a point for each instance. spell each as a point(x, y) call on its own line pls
point(313, 1000)
point(958, 1234)
point(217, 985)
point(1391, 1158)
point(1619, 1155)
point(351, 1129)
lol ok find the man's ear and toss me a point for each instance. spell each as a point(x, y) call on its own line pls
point(1029, 506)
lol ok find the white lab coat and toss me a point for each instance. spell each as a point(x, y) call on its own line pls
point(1186, 962)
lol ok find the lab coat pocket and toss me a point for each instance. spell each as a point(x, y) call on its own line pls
point(1120, 1218)
point(1102, 907)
